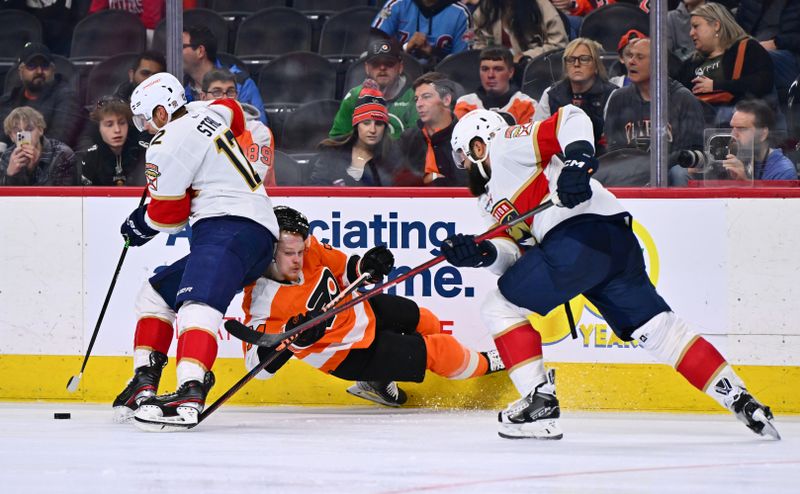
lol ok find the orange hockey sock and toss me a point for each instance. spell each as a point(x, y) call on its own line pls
point(428, 323)
point(449, 358)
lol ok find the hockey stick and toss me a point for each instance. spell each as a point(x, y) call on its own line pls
point(283, 346)
point(274, 339)
point(74, 381)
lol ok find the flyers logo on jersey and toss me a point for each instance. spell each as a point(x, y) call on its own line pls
point(519, 130)
point(503, 212)
point(151, 173)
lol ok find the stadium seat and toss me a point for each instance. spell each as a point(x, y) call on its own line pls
point(626, 167)
point(297, 78)
point(607, 24)
point(243, 7)
point(463, 67)
point(273, 32)
point(64, 67)
point(107, 75)
point(326, 5)
point(355, 72)
point(227, 60)
point(107, 33)
point(307, 126)
point(346, 34)
point(195, 17)
point(19, 27)
point(288, 171)
point(542, 72)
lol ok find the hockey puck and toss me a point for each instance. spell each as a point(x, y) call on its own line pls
point(61, 416)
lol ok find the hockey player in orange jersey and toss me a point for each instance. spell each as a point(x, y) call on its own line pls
point(387, 338)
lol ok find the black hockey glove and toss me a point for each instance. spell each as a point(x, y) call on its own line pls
point(573, 185)
point(378, 261)
point(462, 251)
point(310, 335)
point(135, 229)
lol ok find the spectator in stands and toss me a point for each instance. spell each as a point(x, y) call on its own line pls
point(429, 30)
point(776, 25)
point(728, 66)
point(46, 92)
point(58, 18)
point(200, 56)
point(384, 65)
point(34, 159)
point(363, 157)
point(528, 28)
point(585, 85)
point(497, 93)
point(750, 126)
point(116, 156)
point(624, 52)
point(147, 63)
point(256, 141)
point(426, 152)
point(678, 26)
point(149, 11)
point(627, 115)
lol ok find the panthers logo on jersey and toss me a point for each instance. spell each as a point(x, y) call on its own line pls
point(504, 212)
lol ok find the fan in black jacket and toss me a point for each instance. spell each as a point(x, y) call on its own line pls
point(116, 157)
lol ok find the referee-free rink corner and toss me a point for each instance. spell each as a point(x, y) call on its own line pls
point(372, 449)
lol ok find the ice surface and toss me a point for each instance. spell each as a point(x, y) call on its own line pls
point(380, 450)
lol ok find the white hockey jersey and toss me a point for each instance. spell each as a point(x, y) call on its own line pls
point(524, 172)
point(196, 169)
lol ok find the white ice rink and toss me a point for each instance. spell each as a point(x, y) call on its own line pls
point(379, 450)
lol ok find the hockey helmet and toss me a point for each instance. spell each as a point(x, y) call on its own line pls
point(291, 220)
point(482, 124)
point(162, 89)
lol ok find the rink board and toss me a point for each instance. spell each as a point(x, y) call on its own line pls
point(727, 265)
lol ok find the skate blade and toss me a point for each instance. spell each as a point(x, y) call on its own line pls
point(355, 390)
point(149, 419)
point(769, 428)
point(122, 415)
point(543, 430)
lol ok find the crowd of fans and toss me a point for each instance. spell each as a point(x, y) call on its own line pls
point(733, 64)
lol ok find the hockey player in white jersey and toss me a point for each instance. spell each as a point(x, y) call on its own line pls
point(196, 173)
point(585, 246)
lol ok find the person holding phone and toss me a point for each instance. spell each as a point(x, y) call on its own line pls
point(33, 158)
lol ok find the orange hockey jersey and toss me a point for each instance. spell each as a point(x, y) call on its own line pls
point(268, 304)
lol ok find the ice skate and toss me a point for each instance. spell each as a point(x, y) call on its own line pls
point(175, 411)
point(533, 416)
point(757, 417)
point(143, 385)
point(495, 362)
point(381, 392)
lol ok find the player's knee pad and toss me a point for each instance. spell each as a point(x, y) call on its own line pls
point(196, 315)
point(499, 314)
point(665, 336)
point(149, 303)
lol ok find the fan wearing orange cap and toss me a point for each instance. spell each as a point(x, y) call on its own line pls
point(624, 51)
point(362, 156)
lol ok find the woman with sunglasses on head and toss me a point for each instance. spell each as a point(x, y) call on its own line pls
point(585, 84)
point(115, 156)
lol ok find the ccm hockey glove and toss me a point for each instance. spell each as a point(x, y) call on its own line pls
point(378, 261)
point(310, 335)
point(573, 185)
point(462, 251)
point(135, 229)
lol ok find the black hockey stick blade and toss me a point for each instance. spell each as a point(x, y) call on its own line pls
point(247, 335)
point(273, 339)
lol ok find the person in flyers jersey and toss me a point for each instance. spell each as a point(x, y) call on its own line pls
point(583, 246)
point(385, 339)
point(196, 173)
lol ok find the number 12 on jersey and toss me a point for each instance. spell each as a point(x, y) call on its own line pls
point(245, 169)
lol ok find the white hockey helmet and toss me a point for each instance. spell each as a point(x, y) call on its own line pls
point(162, 89)
point(482, 124)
